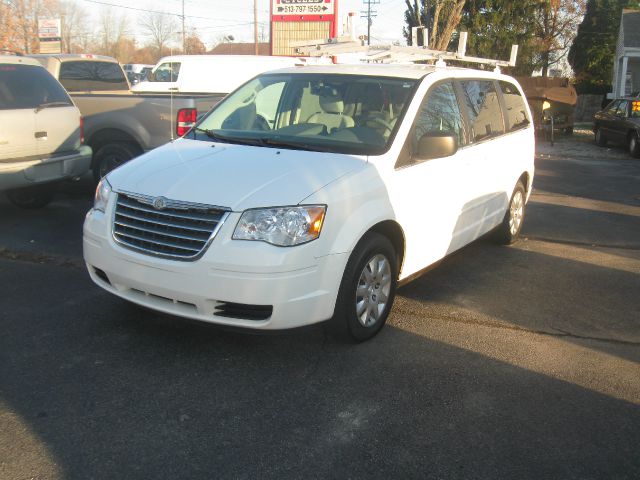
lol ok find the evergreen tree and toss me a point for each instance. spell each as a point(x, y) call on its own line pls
point(593, 51)
point(495, 25)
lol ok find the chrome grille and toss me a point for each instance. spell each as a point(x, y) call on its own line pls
point(172, 229)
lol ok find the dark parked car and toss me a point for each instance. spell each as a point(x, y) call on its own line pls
point(619, 122)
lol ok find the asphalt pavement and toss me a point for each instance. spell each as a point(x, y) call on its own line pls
point(502, 362)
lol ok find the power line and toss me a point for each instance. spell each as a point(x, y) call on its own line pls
point(147, 10)
point(369, 14)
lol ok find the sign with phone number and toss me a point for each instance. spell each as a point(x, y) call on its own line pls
point(302, 7)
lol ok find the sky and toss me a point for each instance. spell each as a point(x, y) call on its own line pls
point(214, 19)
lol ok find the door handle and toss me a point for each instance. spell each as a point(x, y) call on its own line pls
point(40, 134)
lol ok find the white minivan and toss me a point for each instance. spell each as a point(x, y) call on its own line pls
point(308, 194)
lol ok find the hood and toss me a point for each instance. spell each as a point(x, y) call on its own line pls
point(234, 176)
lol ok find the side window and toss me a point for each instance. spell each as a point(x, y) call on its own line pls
point(483, 109)
point(515, 106)
point(439, 113)
point(622, 108)
point(635, 109)
point(166, 72)
point(26, 86)
point(87, 75)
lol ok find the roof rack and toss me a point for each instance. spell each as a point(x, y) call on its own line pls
point(397, 53)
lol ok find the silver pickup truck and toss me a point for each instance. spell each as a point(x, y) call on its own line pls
point(119, 124)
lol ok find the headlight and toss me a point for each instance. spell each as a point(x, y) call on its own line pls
point(103, 191)
point(282, 226)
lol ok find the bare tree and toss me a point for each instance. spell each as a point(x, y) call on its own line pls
point(440, 17)
point(74, 25)
point(557, 26)
point(113, 31)
point(160, 27)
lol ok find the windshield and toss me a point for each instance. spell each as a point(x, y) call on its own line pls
point(353, 114)
point(166, 72)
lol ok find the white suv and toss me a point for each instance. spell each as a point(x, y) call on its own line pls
point(309, 194)
point(41, 133)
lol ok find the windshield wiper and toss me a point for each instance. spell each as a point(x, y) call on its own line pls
point(261, 141)
point(42, 106)
point(228, 138)
point(277, 142)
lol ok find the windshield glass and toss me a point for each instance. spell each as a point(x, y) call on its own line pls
point(353, 114)
point(166, 72)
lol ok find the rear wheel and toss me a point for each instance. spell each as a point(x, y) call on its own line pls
point(367, 290)
point(601, 140)
point(633, 144)
point(509, 230)
point(111, 156)
point(36, 196)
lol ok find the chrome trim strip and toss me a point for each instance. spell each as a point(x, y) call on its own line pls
point(160, 232)
point(164, 224)
point(156, 242)
point(169, 214)
point(173, 203)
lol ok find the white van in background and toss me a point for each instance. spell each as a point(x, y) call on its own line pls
point(209, 73)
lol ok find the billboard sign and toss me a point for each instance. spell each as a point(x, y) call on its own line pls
point(49, 28)
point(282, 8)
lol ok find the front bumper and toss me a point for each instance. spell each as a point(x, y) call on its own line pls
point(300, 287)
point(17, 174)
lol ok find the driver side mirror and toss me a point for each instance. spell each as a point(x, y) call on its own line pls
point(437, 145)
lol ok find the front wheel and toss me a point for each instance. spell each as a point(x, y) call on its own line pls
point(601, 140)
point(36, 196)
point(509, 230)
point(111, 156)
point(367, 289)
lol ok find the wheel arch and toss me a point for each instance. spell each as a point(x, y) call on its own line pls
point(393, 231)
point(111, 135)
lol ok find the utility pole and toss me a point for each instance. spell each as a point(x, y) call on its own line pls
point(369, 14)
point(255, 25)
point(184, 41)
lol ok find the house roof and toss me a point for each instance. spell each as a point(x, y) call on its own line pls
point(631, 28)
point(241, 49)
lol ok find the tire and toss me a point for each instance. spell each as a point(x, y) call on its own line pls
point(111, 156)
point(633, 144)
point(568, 131)
point(601, 140)
point(370, 280)
point(509, 230)
point(33, 197)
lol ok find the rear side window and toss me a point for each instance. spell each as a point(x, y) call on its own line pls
point(483, 109)
point(166, 72)
point(82, 76)
point(29, 86)
point(515, 106)
point(439, 113)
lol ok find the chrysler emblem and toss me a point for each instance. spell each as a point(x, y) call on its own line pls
point(159, 203)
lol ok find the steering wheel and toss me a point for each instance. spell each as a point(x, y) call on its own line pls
point(379, 122)
point(260, 123)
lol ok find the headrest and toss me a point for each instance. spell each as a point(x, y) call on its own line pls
point(330, 102)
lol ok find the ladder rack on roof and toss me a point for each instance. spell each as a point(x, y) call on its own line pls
point(397, 53)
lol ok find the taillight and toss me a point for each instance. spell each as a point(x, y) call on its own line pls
point(81, 130)
point(186, 119)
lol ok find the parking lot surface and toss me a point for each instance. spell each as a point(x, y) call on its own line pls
point(502, 362)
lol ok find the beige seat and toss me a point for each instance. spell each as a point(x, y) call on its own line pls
point(332, 115)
